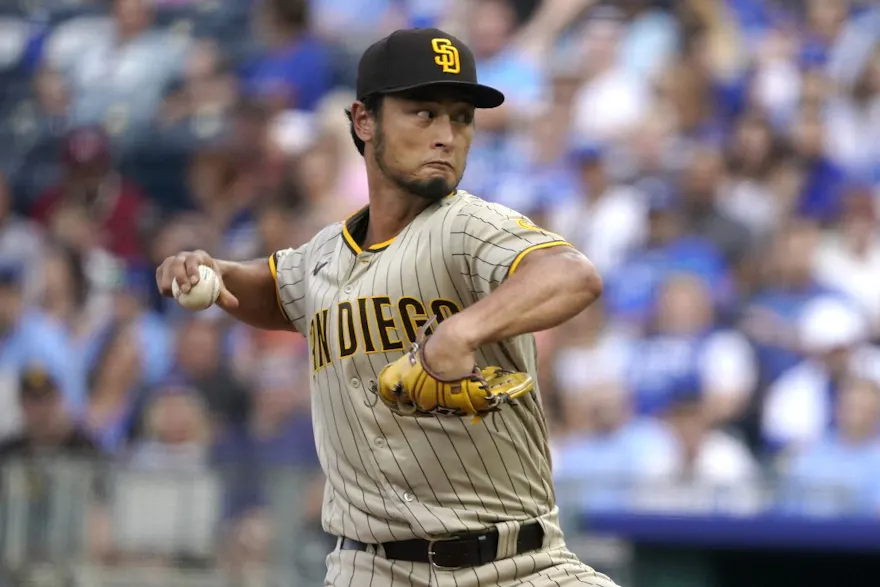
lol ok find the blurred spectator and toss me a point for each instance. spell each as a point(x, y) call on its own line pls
point(612, 98)
point(607, 221)
point(785, 286)
point(177, 432)
point(748, 196)
point(632, 287)
point(848, 258)
point(120, 78)
point(650, 39)
point(229, 180)
point(701, 183)
point(28, 335)
point(605, 451)
point(199, 363)
point(116, 207)
point(319, 179)
point(296, 70)
point(204, 96)
point(65, 295)
point(48, 427)
point(831, 333)
point(823, 180)
point(31, 130)
point(686, 344)
point(839, 473)
point(825, 21)
point(853, 122)
point(696, 468)
point(498, 149)
point(21, 241)
point(125, 355)
point(50, 436)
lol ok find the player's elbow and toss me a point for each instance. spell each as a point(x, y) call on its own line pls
point(588, 281)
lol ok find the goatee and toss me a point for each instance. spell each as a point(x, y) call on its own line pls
point(432, 189)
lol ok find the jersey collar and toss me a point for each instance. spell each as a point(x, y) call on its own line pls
point(356, 224)
point(354, 229)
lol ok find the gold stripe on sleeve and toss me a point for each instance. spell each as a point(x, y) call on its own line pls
point(524, 252)
point(274, 271)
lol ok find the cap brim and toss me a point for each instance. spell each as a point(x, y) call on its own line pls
point(479, 95)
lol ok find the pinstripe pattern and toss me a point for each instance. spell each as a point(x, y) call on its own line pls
point(548, 568)
point(391, 477)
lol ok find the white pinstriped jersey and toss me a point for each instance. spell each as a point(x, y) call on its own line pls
point(395, 477)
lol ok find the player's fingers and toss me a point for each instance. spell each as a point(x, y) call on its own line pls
point(163, 283)
point(192, 262)
point(226, 300)
point(180, 273)
point(165, 275)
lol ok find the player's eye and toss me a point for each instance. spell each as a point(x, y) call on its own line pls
point(465, 117)
point(426, 114)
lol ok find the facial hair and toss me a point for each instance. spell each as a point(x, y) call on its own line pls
point(433, 189)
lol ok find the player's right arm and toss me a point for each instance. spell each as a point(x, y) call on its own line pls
point(249, 291)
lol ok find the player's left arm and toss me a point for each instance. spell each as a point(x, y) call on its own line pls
point(523, 279)
point(548, 287)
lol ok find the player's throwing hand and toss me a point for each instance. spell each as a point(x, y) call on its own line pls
point(184, 267)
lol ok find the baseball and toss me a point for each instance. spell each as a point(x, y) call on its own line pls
point(203, 294)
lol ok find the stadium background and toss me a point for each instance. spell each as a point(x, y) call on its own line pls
point(719, 160)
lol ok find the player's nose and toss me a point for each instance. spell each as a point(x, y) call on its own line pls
point(443, 133)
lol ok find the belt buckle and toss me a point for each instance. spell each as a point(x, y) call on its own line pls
point(431, 554)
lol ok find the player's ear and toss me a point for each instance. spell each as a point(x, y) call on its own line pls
point(362, 121)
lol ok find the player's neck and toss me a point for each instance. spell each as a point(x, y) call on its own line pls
point(391, 210)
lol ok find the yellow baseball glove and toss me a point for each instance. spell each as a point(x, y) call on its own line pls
point(409, 388)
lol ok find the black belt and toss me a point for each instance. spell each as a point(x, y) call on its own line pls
point(469, 550)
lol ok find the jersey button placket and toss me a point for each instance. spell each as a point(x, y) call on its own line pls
point(380, 442)
point(408, 497)
point(355, 382)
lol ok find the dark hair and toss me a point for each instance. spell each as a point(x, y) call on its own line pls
point(291, 14)
point(373, 104)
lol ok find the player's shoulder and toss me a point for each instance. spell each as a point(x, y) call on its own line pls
point(467, 205)
point(322, 243)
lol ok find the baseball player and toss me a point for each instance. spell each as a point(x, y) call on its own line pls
point(418, 310)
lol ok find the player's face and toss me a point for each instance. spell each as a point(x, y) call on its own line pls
point(421, 143)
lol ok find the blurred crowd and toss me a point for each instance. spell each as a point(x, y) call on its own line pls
point(719, 161)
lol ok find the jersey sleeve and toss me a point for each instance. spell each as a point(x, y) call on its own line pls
point(288, 267)
point(491, 240)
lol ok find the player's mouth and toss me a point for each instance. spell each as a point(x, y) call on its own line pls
point(440, 165)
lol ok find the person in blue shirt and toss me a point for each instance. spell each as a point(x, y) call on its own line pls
point(598, 461)
point(839, 474)
point(27, 335)
point(824, 182)
point(131, 352)
point(631, 288)
point(771, 315)
point(499, 149)
point(296, 70)
point(686, 344)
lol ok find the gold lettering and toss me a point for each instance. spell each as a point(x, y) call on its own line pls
point(412, 314)
point(387, 325)
point(348, 341)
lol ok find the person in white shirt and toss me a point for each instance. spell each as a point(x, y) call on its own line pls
point(609, 220)
point(848, 258)
point(696, 468)
point(612, 100)
point(832, 333)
